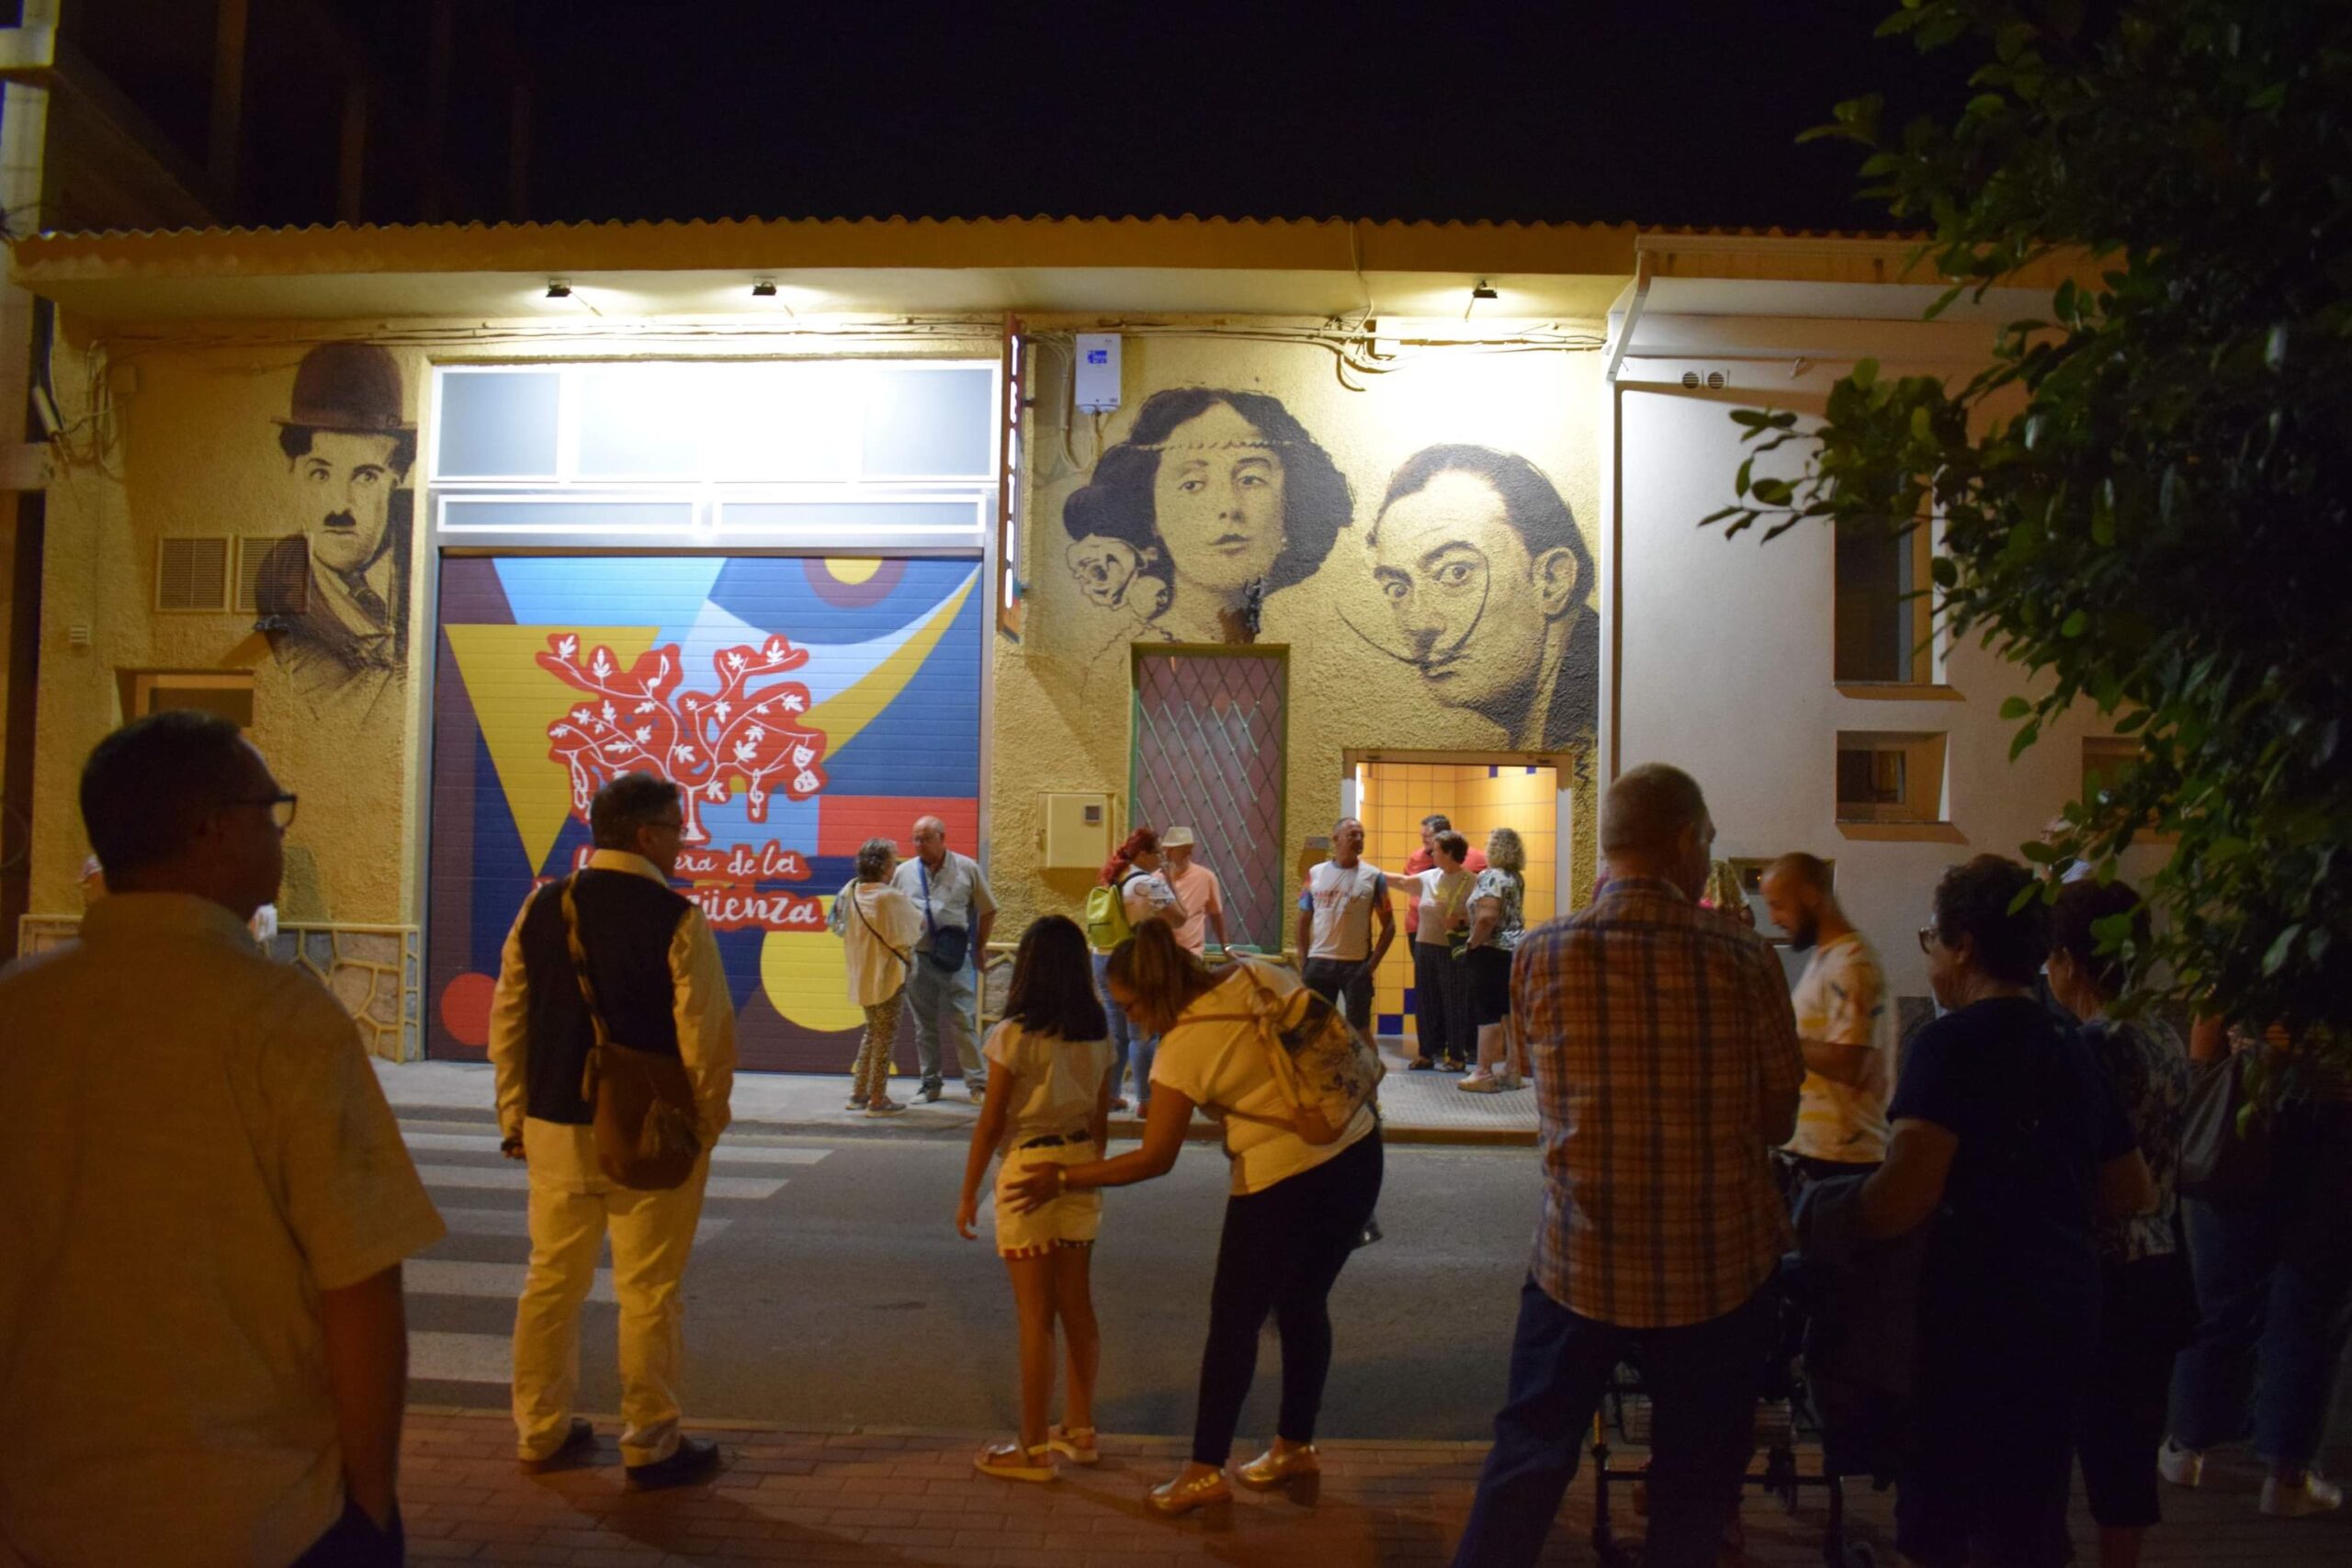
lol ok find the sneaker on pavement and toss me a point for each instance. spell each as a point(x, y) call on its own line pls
point(1480, 1083)
point(885, 1108)
point(695, 1461)
point(979, 1093)
point(2310, 1494)
point(2182, 1467)
point(857, 1105)
point(928, 1093)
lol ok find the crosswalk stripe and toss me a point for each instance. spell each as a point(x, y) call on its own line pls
point(726, 1153)
point(460, 1357)
point(514, 1178)
point(514, 1222)
point(492, 1281)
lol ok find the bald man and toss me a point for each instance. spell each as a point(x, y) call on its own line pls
point(958, 911)
point(1665, 1066)
point(1844, 1025)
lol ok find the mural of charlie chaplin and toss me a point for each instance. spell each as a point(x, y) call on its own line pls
point(336, 593)
point(1490, 586)
point(1215, 499)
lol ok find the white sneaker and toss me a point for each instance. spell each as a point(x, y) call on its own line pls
point(2182, 1467)
point(2313, 1494)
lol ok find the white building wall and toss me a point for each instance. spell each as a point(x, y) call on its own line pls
point(1724, 661)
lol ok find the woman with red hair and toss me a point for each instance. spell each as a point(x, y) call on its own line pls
point(1144, 894)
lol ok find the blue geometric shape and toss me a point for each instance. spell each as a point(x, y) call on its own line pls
point(773, 592)
point(1390, 1023)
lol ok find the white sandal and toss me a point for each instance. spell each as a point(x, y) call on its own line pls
point(1077, 1444)
point(1010, 1461)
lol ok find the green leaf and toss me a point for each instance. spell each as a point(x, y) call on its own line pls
point(2025, 737)
point(2075, 624)
point(2274, 960)
point(1944, 571)
point(1864, 373)
point(2015, 707)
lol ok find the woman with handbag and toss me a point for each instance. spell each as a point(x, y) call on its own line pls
point(1498, 919)
point(2147, 1310)
point(879, 933)
point(2269, 1231)
point(1304, 1183)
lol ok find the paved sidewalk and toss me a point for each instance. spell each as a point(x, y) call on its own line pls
point(1418, 1107)
point(882, 1496)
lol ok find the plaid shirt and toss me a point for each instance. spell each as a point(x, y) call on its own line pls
point(1657, 1031)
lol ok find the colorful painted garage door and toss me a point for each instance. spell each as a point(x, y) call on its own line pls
point(806, 705)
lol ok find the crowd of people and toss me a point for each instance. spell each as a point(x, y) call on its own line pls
point(2065, 1299)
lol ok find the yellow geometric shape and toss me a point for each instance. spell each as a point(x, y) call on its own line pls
point(852, 570)
point(851, 709)
point(806, 976)
point(516, 699)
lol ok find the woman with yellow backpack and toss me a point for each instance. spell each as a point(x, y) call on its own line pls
point(1131, 892)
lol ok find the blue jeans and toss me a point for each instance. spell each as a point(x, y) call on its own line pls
point(1125, 1041)
point(1700, 1377)
point(2274, 1299)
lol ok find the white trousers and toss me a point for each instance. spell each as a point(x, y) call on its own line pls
point(572, 1208)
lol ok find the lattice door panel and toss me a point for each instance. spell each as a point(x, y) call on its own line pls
point(1209, 754)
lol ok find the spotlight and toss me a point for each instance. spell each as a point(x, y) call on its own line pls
point(765, 288)
point(1482, 292)
point(559, 288)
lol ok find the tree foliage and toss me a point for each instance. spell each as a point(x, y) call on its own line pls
point(2142, 498)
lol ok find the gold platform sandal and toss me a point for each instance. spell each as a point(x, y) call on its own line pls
point(1077, 1444)
point(1010, 1461)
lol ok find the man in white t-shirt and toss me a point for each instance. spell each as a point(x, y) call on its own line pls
point(1197, 888)
point(1344, 898)
point(203, 1350)
point(1843, 1024)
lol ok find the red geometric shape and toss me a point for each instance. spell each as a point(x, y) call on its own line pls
point(465, 1009)
point(844, 822)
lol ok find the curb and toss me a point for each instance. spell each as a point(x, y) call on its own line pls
point(961, 1131)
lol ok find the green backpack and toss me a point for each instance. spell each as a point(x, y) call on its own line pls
point(1106, 913)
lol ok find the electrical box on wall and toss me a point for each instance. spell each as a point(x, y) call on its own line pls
point(1074, 831)
point(1095, 387)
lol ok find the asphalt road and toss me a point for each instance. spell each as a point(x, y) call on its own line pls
point(829, 1287)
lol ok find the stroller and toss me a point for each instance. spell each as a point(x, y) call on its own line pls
point(1785, 1412)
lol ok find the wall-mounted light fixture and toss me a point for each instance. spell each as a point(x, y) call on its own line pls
point(1480, 291)
point(559, 288)
point(763, 288)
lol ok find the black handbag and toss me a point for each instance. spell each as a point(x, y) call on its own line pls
point(950, 946)
point(2225, 1147)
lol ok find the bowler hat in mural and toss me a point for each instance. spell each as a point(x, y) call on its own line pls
point(353, 389)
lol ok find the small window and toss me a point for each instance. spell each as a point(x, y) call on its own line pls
point(229, 693)
point(290, 591)
point(2107, 760)
point(191, 574)
point(1883, 776)
point(1882, 612)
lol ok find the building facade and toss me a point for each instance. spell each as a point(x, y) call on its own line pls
point(1047, 528)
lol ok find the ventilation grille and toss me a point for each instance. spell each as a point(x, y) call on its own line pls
point(291, 585)
point(192, 574)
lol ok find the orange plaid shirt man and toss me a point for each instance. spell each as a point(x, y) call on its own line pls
point(1657, 1032)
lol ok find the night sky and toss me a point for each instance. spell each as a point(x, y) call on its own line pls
point(1668, 112)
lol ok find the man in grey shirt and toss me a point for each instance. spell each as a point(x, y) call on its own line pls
point(953, 898)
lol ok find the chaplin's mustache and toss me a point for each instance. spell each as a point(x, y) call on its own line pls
point(339, 520)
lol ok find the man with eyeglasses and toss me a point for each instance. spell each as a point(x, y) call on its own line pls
point(659, 983)
point(203, 1341)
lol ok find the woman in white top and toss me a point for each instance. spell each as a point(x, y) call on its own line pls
point(1048, 1103)
point(879, 931)
point(1296, 1210)
point(1134, 869)
point(1444, 1015)
point(1498, 919)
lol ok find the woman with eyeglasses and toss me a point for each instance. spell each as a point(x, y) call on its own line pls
point(2007, 1142)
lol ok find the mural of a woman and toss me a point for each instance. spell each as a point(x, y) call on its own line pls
point(1215, 499)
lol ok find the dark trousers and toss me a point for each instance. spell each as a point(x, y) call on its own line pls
point(356, 1541)
point(1701, 1379)
point(1332, 978)
point(2147, 1316)
point(1443, 1013)
point(1281, 1252)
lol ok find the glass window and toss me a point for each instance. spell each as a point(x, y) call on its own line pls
point(1882, 612)
point(498, 424)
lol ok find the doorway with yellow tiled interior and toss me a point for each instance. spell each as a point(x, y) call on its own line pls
point(1392, 792)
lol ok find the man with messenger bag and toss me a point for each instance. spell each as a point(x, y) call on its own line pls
point(958, 911)
point(612, 1035)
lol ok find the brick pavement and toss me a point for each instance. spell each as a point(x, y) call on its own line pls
point(892, 1496)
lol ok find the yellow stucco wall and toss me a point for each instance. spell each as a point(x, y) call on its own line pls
point(181, 440)
point(1063, 690)
point(188, 447)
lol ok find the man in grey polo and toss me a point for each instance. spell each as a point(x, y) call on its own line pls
point(952, 895)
